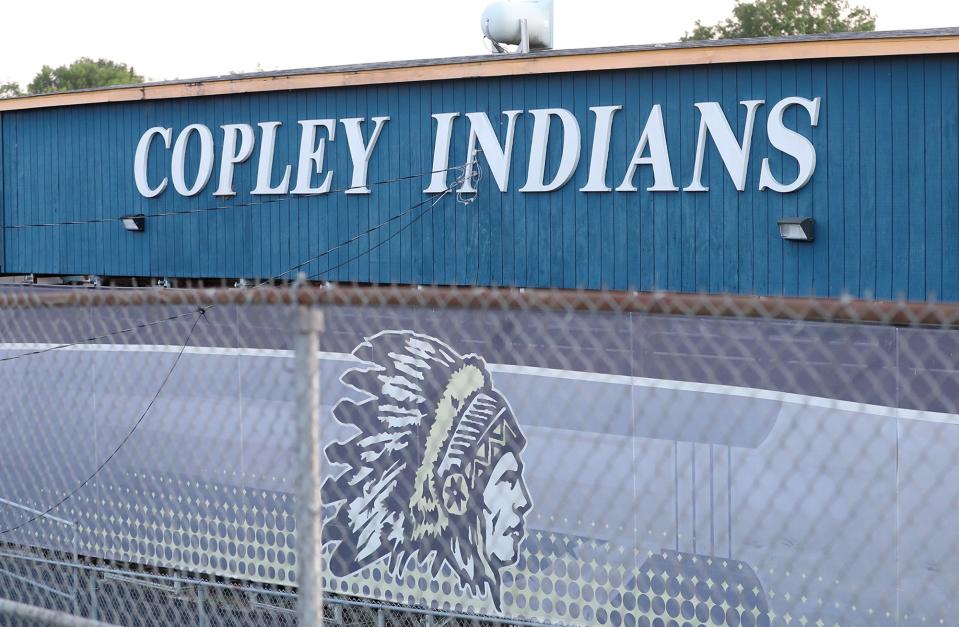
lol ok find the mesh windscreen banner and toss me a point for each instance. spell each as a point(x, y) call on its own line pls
point(582, 468)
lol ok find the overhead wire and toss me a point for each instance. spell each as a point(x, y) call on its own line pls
point(227, 206)
point(95, 338)
point(201, 314)
point(431, 201)
point(271, 279)
point(382, 242)
point(467, 174)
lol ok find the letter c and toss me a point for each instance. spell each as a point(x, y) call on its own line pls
point(142, 156)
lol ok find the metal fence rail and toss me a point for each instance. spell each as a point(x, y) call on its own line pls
point(475, 456)
point(837, 310)
point(44, 616)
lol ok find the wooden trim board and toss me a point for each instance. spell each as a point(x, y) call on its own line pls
point(484, 67)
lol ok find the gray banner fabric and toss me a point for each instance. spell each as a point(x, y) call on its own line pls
point(573, 468)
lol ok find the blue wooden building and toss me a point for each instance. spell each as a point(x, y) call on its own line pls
point(333, 171)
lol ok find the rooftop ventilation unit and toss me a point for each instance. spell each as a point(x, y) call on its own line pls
point(526, 24)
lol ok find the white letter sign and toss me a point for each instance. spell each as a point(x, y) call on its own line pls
point(264, 171)
point(492, 137)
point(179, 160)
point(441, 152)
point(311, 157)
point(654, 135)
point(599, 158)
point(497, 157)
point(791, 143)
point(359, 153)
point(141, 158)
point(735, 157)
point(537, 153)
point(232, 155)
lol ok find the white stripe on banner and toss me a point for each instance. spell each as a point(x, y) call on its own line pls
point(535, 371)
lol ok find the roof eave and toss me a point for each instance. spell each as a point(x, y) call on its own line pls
point(835, 45)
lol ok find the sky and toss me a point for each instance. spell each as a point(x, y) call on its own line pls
point(169, 39)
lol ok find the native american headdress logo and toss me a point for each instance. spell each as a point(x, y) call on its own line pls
point(435, 473)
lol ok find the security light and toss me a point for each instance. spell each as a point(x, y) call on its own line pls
point(796, 229)
point(134, 223)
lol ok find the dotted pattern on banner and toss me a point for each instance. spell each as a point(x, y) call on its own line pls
point(248, 534)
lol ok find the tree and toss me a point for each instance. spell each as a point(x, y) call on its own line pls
point(10, 90)
point(84, 73)
point(775, 18)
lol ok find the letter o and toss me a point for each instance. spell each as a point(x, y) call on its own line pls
point(179, 160)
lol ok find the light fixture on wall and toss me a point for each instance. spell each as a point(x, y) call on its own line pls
point(136, 223)
point(796, 229)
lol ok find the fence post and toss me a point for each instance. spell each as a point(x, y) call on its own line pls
point(75, 579)
point(309, 523)
point(94, 603)
point(202, 620)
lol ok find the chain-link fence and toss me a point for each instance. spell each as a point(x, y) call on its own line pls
point(475, 456)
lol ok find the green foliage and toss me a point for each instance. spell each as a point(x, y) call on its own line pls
point(84, 73)
point(10, 90)
point(775, 18)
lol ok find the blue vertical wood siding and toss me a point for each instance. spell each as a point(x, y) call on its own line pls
point(885, 194)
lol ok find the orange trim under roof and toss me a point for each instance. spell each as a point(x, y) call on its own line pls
point(671, 55)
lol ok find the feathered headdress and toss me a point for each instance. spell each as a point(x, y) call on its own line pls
point(428, 438)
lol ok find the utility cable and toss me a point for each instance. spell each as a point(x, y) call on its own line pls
point(200, 313)
point(353, 239)
point(467, 174)
point(372, 229)
point(95, 338)
point(378, 244)
point(225, 207)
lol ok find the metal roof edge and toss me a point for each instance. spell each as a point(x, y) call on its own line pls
point(877, 43)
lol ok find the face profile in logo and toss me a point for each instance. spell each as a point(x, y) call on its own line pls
point(435, 474)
